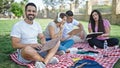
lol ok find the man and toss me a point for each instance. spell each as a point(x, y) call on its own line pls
point(69, 26)
point(24, 38)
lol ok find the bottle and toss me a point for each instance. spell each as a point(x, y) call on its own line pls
point(95, 47)
point(105, 45)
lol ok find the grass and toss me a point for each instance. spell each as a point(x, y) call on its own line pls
point(5, 43)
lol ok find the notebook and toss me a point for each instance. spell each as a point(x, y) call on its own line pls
point(94, 34)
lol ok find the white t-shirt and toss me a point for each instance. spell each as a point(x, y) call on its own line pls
point(68, 27)
point(47, 33)
point(27, 33)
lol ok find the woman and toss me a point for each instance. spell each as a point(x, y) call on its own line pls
point(55, 30)
point(97, 24)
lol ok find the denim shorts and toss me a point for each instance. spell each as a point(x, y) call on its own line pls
point(22, 60)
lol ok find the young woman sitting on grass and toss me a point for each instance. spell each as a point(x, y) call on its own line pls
point(98, 24)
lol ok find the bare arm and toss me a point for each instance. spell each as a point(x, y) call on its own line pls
point(80, 27)
point(89, 30)
point(17, 45)
point(82, 31)
point(52, 32)
point(107, 32)
point(42, 38)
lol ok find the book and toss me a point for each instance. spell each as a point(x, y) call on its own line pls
point(74, 32)
point(94, 34)
point(49, 45)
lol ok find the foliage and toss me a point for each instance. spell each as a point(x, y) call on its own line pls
point(5, 5)
point(17, 9)
point(103, 8)
point(23, 3)
point(54, 3)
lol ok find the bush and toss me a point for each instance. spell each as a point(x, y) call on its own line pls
point(17, 9)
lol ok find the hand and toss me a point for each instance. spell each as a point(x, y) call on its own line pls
point(100, 36)
point(61, 26)
point(37, 46)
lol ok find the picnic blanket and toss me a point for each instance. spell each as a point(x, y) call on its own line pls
point(106, 59)
point(14, 58)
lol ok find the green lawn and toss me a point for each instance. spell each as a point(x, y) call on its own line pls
point(5, 43)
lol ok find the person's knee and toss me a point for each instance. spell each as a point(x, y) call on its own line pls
point(27, 50)
point(90, 41)
point(116, 41)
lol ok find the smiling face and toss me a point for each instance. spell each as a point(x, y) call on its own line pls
point(31, 13)
point(95, 16)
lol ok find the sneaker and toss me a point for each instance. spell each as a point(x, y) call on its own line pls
point(54, 60)
point(61, 52)
point(39, 65)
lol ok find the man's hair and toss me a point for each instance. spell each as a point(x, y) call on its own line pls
point(30, 4)
point(69, 13)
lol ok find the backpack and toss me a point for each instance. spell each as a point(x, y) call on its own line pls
point(85, 63)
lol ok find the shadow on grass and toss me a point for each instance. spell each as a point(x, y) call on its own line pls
point(6, 62)
point(5, 44)
point(5, 50)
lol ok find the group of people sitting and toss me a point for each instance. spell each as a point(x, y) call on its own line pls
point(25, 35)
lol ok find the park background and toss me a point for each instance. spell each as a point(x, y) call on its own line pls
point(12, 11)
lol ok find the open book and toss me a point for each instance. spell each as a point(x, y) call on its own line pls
point(49, 44)
point(94, 34)
point(74, 32)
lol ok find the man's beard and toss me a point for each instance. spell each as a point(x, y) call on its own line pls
point(30, 18)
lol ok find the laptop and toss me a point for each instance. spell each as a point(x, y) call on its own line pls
point(49, 44)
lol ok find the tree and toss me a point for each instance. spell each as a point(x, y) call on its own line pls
point(23, 3)
point(53, 3)
point(17, 9)
point(5, 5)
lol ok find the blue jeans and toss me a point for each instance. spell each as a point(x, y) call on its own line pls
point(64, 45)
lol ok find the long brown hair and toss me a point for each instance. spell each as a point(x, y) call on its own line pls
point(100, 22)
